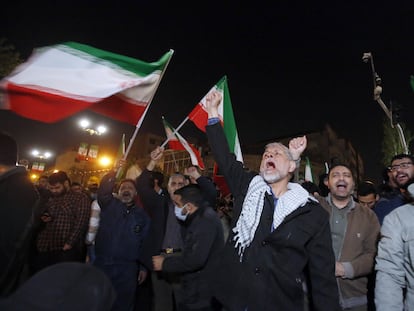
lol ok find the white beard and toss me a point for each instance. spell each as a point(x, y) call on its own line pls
point(271, 178)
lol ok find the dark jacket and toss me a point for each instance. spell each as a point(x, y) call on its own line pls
point(203, 241)
point(18, 197)
point(276, 263)
point(158, 205)
point(121, 230)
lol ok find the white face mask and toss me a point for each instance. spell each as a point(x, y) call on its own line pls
point(178, 213)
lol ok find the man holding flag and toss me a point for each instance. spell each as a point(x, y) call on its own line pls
point(280, 239)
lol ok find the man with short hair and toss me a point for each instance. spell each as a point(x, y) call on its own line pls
point(65, 221)
point(355, 232)
point(165, 237)
point(18, 197)
point(367, 194)
point(203, 240)
point(123, 228)
point(402, 171)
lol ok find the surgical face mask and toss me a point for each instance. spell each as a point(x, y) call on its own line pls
point(178, 213)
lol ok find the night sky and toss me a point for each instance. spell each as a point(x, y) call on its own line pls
point(292, 66)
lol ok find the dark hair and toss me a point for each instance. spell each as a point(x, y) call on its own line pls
point(403, 156)
point(336, 164)
point(58, 177)
point(366, 187)
point(191, 194)
point(128, 180)
point(158, 176)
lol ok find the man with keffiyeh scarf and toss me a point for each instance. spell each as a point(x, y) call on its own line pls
point(280, 237)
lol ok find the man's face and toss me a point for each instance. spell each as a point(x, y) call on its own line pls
point(368, 200)
point(57, 189)
point(43, 183)
point(275, 164)
point(340, 182)
point(127, 192)
point(402, 170)
point(174, 183)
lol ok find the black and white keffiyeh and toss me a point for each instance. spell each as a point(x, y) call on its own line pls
point(252, 208)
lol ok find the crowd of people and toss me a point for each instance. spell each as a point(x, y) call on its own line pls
point(272, 243)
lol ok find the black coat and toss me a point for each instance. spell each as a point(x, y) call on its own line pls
point(276, 263)
point(203, 240)
point(17, 202)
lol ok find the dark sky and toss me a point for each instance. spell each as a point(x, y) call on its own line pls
point(292, 66)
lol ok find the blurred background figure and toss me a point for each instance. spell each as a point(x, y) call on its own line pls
point(65, 287)
point(18, 198)
point(367, 194)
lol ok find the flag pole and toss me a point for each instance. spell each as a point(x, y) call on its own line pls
point(175, 130)
point(138, 126)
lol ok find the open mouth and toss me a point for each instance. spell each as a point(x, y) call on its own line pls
point(270, 165)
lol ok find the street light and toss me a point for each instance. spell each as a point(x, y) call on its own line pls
point(38, 166)
point(85, 125)
point(367, 57)
point(41, 155)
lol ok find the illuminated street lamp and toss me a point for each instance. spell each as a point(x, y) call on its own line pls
point(38, 167)
point(41, 155)
point(85, 125)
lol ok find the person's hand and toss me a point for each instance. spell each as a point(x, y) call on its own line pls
point(157, 262)
point(297, 146)
point(339, 269)
point(67, 247)
point(193, 172)
point(156, 155)
point(213, 100)
point(142, 276)
point(46, 217)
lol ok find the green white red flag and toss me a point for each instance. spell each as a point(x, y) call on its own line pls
point(177, 142)
point(308, 171)
point(61, 80)
point(199, 116)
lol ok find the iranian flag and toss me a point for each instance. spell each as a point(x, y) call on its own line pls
point(177, 142)
point(61, 80)
point(199, 116)
point(308, 171)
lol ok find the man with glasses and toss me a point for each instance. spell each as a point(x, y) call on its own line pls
point(402, 171)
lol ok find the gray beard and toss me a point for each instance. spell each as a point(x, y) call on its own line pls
point(271, 178)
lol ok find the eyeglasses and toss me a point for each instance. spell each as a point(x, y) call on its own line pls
point(403, 165)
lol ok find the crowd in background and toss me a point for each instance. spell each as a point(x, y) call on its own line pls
point(156, 242)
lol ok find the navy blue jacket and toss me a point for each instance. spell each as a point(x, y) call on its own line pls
point(121, 230)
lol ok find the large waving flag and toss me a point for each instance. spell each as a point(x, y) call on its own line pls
point(177, 142)
point(63, 79)
point(199, 116)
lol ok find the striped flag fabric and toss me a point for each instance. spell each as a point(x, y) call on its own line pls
point(61, 80)
point(178, 142)
point(199, 117)
point(308, 171)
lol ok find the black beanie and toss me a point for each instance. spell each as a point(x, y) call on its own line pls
point(8, 150)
